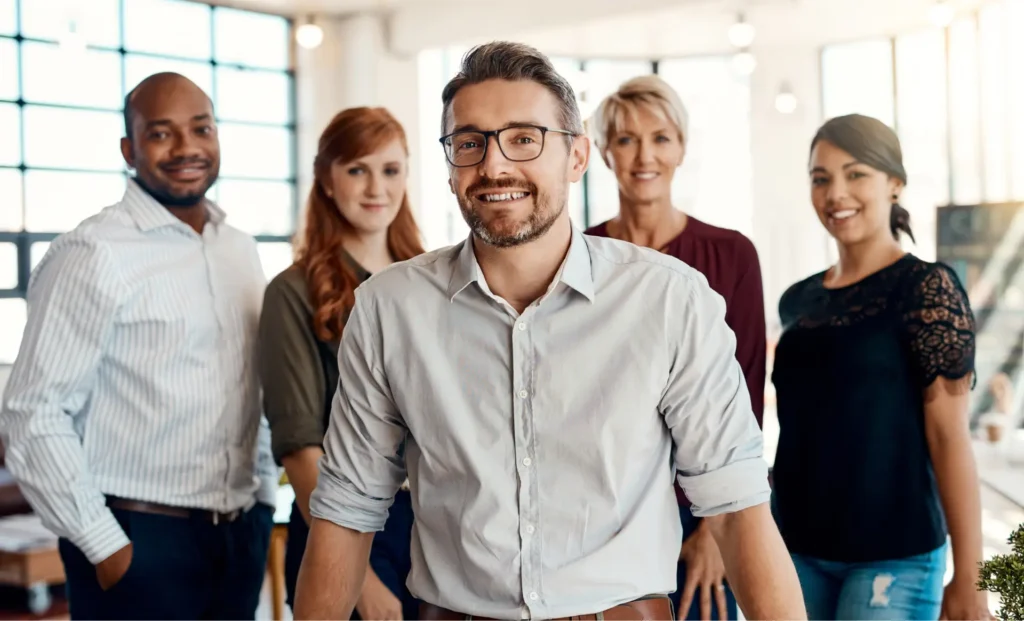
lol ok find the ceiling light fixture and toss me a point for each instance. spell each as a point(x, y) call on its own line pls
point(309, 35)
point(785, 101)
point(741, 34)
point(744, 62)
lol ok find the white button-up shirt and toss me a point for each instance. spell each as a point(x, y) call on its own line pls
point(136, 375)
point(540, 448)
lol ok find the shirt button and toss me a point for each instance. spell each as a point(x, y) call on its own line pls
point(530, 529)
point(527, 461)
point(534, 596)
point(522, 394)
point(522, 326)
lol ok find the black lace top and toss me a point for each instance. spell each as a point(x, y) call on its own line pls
point(853, 477)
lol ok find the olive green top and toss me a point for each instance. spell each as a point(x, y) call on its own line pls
point(298, 371)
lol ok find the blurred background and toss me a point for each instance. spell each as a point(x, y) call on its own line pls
point(758, 77)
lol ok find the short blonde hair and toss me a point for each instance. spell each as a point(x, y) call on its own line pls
point(648, 91)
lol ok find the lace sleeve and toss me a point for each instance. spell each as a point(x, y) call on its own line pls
point(940, 326)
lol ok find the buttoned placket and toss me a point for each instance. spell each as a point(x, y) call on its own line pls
point(523, 416)
point(208, 239)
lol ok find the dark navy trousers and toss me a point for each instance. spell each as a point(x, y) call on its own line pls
point(182, 568)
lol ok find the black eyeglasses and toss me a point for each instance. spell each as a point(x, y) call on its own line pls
point(519, 143)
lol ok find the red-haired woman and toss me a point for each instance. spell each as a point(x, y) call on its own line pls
point(358, 221)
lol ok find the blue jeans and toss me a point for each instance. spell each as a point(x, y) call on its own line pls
point(907, 588)
point(689, 527)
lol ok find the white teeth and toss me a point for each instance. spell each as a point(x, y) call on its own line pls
point(648, 175)
point(844, 214)
point(510, 196)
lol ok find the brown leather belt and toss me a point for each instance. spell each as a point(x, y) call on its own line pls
point(141, 506)
point(654, 608)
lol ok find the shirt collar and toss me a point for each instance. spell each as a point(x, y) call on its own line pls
point(150, 214)
point(575, 270)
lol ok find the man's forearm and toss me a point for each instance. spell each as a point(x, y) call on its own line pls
point(332, 573)
point(757, 564)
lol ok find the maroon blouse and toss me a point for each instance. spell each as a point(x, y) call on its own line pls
point(729, 261)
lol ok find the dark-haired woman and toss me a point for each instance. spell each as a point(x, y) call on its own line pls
point(872, 372)
point(358, 221)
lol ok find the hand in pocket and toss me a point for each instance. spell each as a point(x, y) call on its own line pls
point(111, 570)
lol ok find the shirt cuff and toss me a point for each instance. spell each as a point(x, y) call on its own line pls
point(101, 539)
point(731, 488)
point(335, 501)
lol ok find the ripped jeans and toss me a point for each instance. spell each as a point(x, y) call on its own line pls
point(907, 588)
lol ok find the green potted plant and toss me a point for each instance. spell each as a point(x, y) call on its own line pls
point(1004, 574)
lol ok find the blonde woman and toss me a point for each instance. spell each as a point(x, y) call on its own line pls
point(640, 131)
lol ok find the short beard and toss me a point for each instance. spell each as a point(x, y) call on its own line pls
point(167, 198)
point(543, 216)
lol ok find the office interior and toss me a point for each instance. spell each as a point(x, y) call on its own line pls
point(757, 76)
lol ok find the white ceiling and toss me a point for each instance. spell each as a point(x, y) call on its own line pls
point(621, 28)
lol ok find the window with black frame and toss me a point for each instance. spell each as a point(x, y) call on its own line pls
point(65, 68)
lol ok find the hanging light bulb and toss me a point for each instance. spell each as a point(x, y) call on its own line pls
point(785, 100)
point(741, 34)
point(744, 62)
point(309, 35)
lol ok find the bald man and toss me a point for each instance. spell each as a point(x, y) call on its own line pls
point(132, 417)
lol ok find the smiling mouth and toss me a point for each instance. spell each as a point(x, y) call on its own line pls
point(841, 215)
point(186, 173)
point(502, 197)
point(646, 176)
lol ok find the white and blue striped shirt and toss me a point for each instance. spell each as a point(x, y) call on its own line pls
point(136, 374)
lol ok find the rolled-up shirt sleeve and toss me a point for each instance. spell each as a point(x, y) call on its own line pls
point(718, 445)
point(364, 463)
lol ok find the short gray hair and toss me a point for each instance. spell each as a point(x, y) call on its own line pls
point(503, 60)
point(648, 91)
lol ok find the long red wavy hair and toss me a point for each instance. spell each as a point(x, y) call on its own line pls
point(351, 134)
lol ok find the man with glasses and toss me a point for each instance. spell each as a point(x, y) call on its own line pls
point(540, 388)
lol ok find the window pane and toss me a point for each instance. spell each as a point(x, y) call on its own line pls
point(715, 182)
point(10, 200)
point(8, 69)
point(921, 119)
point(236, 101)
point(602, 78)
point(1015, 24)
point(53, 75)
point(10, 146)
point(12, 324)
point(258, 207)
point(964, 116)
point(857, 77)
point(994, 101)
point(37, 252)
point(255, 152)
point(168, 27)
point(58, 201)
point(8, 17)
point(276, 257)
point(8, 266)
point(50, 19)
point(138, 68)
point(59, 138)
point(252, 39)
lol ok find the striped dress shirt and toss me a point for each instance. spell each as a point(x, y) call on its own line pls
point(136, 375)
